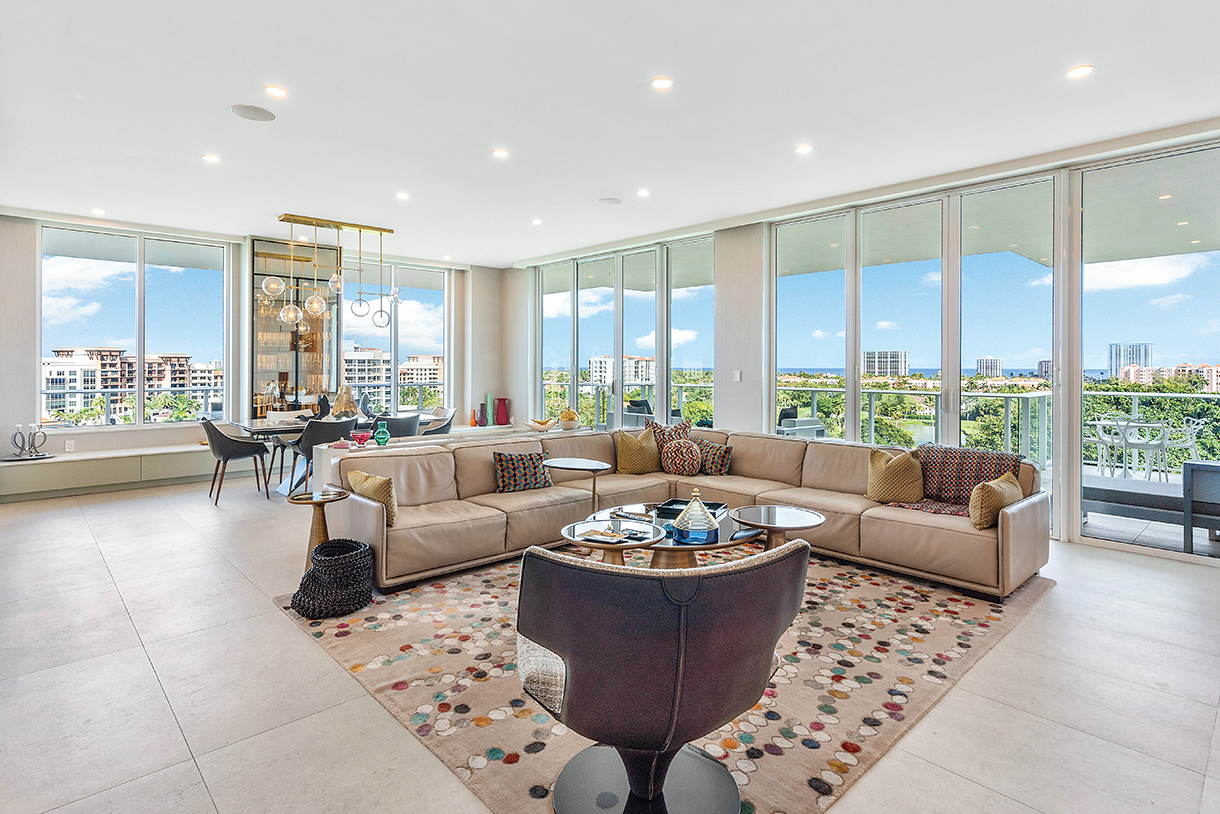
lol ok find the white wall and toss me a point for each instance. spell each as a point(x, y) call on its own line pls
point(19, 365)
point(516, 323)
point(477, 363)
point(742, 342)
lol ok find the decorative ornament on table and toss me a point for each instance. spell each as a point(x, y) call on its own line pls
point(382, 436)
point(501, 412)
point(696, 525)
point(482, 420)
point(474, 420)
point(345, 404)
point(569, 420)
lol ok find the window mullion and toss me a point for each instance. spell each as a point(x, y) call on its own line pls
point(140, 321)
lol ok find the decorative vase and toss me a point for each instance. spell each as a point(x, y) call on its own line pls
point(482, 420)
point(345, 404)
point(474, 422)
point(501, 412)
point(382, 435)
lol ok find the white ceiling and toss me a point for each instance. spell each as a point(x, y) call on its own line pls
point(110, 105)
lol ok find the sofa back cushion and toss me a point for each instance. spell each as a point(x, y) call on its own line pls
point(767, 457)
point(475, 467)
point(597, 446)
point(951, 473)
point(1030, 478)
point(423, 474)
point(715, 436)
point(837, 466)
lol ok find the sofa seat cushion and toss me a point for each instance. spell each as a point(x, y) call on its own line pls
point(535, 517)
point(735, 490)
point(841, 531)
point(619, 489)
point(933, 543)
point(935, 507)
point(438, 534)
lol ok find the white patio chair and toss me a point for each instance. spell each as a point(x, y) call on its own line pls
point(1150, 438)
point(1187, 437)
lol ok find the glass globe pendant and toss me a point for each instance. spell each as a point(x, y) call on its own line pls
point(395, 295)
point(290, 314)
point(336, 283)
point(315, 306)
point(361, 307)
point(273, 286)
point(381, 318)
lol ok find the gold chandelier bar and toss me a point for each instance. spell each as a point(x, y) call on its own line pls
point(322, 223)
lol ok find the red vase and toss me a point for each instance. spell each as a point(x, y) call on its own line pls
point(501, 412)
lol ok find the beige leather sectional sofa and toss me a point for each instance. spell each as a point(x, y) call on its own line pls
point(450, 516)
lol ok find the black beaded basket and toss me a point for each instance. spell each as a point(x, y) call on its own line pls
point(339, 582)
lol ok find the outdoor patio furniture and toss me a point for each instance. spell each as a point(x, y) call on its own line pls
point(1122, 437)
point(1187, 437)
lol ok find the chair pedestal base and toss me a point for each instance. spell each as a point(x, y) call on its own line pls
point(595, 782)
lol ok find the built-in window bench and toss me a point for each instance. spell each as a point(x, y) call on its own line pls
point(104, 470)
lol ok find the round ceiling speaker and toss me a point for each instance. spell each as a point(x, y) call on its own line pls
point(253, 112)
point(610, 201)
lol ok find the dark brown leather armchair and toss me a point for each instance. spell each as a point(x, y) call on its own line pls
point(644, 660)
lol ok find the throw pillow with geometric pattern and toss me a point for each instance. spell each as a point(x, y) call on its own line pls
point(894, 478)
point(951, 473)
point(517, 473)
point(716, 457)
point(987, 499)
point(665, 434)
point(376, 488)
point(681, 457)
point(638, 454)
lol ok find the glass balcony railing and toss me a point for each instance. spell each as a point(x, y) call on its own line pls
point(80, 407)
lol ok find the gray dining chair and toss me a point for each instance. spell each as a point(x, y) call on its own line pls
point(226, 448)
point(317, 432)
point(441, 429)
point(403, 426)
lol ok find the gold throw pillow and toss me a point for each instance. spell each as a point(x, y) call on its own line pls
point(376, 488)
point(988, 498)
point(638, 455)
point(894, 478)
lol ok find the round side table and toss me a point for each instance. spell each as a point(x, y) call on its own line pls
point(580, 465)
point(777, 520)
point(317, 529)
point(612, 553)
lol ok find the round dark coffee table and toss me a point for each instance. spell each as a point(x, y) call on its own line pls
point(777, 520)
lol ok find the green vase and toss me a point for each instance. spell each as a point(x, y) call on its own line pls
point(382, 435)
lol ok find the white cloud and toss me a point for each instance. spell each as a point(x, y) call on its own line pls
point(1165, 303)
point(556, 305)
point(1146, 271)
point(1045, 279)
point(886, 325)
point(688, 292)
point(58, 310)
point(633, 294)
point(678, 336)
point(78, 274)
point(421, 325)
point(1213, 327)
point(819, 334)
point(594, 301)
point(931, 278)
point(647, 342)
point(841, 333)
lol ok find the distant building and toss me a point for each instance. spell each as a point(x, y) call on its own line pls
point(1150, 375)
point(989, 366)
point(1123, 354)
point(1044, 369)
point(889, 363)
point(96, 369)
point(636, 369)
point(370, 370)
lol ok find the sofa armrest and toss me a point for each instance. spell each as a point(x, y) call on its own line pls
point(1025, 534)
point(359, 518)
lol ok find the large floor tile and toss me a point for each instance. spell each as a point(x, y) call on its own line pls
point(54, 571)
point(1213, 760)
point(1048, 766)
point(275, 574)
point(192, 599)
point(902, 782)
point(158, 519)
point(242, 538)
point(355, 753)
point(30, 534)
point(46, 506)
point(91, 725)
point(178, 789)
point(1149, 662)
point(1161, 725)
point(131, 558)
point(51, 630)
point(261, 673)
point(202, 513)
point(1211, 796)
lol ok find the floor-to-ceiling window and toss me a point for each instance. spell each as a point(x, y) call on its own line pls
point(1150, 341)
point(595, 313)
point(639, 337)
point(692, 321)
point(810, 327)
point(555, 286)
point(132, 328)
point(900, 324)
point(420, 316)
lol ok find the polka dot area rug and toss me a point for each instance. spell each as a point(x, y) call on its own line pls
point(869, 654)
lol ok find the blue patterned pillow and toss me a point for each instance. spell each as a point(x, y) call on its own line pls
point(516, 473)
point(715, 456)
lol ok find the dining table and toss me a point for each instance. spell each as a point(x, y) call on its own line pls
point(1130, 437)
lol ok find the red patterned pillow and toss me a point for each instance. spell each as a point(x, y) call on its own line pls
point(665, 434)
point(681, 457)
point(516, 473)
point(716, 457)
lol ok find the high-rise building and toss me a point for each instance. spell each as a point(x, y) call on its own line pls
point(91, 369)
point(1045, 371)
point(886, 363)
point(989, 366)
point(636, 369)
point(1123, 354)
point(369, 370)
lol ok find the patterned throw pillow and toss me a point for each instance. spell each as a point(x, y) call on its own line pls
point(638, 454)
point(988, 498)
point(715, 456)
point(681, 457)
point(951, 473)
point(665, 434)
point(376, 488)
point(894, 478)
point(516, 473)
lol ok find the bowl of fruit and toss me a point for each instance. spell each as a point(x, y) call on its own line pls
point(541, 424)
point(569, 420)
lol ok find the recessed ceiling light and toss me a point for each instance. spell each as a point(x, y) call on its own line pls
point(1163, 197)
point(643, 193)
point(402, 196)
point(610, 201)
point(834, 245)
point(253, 113)
point(103, 212)
point(1043, 259)
point(536, 222)
point(804, 148)
point(446, 257)
point(662, 83)
point(1196, 241)
point(1183, 222)
point(1080, 71)
point(1012, 245)
point(276, 91)
point(211, 159)
point(500, 153)
point(972, 227)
